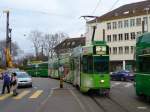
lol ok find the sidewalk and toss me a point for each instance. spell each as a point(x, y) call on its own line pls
point(61, 100)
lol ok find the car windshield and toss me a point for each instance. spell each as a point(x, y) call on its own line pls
point(22, 75)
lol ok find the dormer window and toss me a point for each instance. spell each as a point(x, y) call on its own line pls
point(147, 9)
point(126, 12)
point(133, 11)
point(116, 14)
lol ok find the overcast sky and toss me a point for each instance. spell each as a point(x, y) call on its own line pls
point(50, 16)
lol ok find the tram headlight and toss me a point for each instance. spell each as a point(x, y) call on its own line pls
point(102, 81)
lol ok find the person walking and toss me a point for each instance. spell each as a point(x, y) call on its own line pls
point(61, 75)
point(14, 84)
point(6, 82)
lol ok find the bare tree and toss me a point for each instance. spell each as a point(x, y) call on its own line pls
point(51, 40)
point(44, 43)
point(35, 37)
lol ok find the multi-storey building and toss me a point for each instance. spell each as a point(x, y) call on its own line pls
point(119, 28)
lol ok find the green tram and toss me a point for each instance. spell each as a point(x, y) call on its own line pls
point(53, 67)
point(37, 69)
point(142, 76)
point(91, 67)
point(87, 67)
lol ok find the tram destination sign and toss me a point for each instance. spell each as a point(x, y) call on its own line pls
point(100, 50)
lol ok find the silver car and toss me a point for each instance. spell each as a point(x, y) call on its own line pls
point(24, 79)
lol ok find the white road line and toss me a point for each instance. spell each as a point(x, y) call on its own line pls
point(128, 85)
point(35, 87)
point(55, 88)
point(78, 100)
point(142, 108)
point(115, 84)
point(44, 101)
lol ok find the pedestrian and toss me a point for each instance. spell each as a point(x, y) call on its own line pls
point(6, 82)
point(14, 84)
point(61, 71)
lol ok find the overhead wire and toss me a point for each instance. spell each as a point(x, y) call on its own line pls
point(98, 3)
point(114, 5)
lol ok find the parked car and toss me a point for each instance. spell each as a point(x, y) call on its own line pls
point(122, 75)
point(24, 79)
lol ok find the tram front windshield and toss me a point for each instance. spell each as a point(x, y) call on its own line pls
point(95, 64)
point(101, 64)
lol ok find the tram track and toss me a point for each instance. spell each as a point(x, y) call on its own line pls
point(107, 104)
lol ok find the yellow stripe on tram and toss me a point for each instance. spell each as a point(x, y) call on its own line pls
point(36, 94)
point(21, 95)
point(4, 96)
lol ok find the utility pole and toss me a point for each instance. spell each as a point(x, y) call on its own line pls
point(8, 31)
point(8, 34)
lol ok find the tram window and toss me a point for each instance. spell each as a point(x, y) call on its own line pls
point(145, 39)
point(144, 65)
point(84, 65)
point(87, 66)
point(90, 64)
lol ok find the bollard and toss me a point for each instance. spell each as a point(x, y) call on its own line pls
point(61, 82)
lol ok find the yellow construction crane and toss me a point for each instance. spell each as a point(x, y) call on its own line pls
point(7, 50)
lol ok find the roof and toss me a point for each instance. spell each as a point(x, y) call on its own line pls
point(125, 11)
point(69, 43)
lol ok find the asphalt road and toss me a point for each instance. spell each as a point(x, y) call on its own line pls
point(46, 96)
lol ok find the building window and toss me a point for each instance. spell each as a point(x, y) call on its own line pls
point(114, 25)
point(126, 35)
point(108, 38)
point(120, 50)
point(126, 23)
point(138, 21)
point(120, 37)
point(114, 37)
point(114, 50)
point(132, 35)
point(108, 26)
point(109, 50)
point(132, 49)
point(132, 22)
point(126, 50)
point(139, 33)
point(145, 20)
point(119, 24)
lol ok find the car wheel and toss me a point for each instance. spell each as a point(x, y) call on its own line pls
point(31, 85)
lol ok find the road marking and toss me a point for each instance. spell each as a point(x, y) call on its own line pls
point(2, 97)
point(142, 108)
point(128, 85)
point(115, 84)
point(78, 100)
point(41, 106)
point(35, 87)
point(21, 95)
point(36, 94)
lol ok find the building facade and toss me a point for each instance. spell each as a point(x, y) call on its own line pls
point(120, 28)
